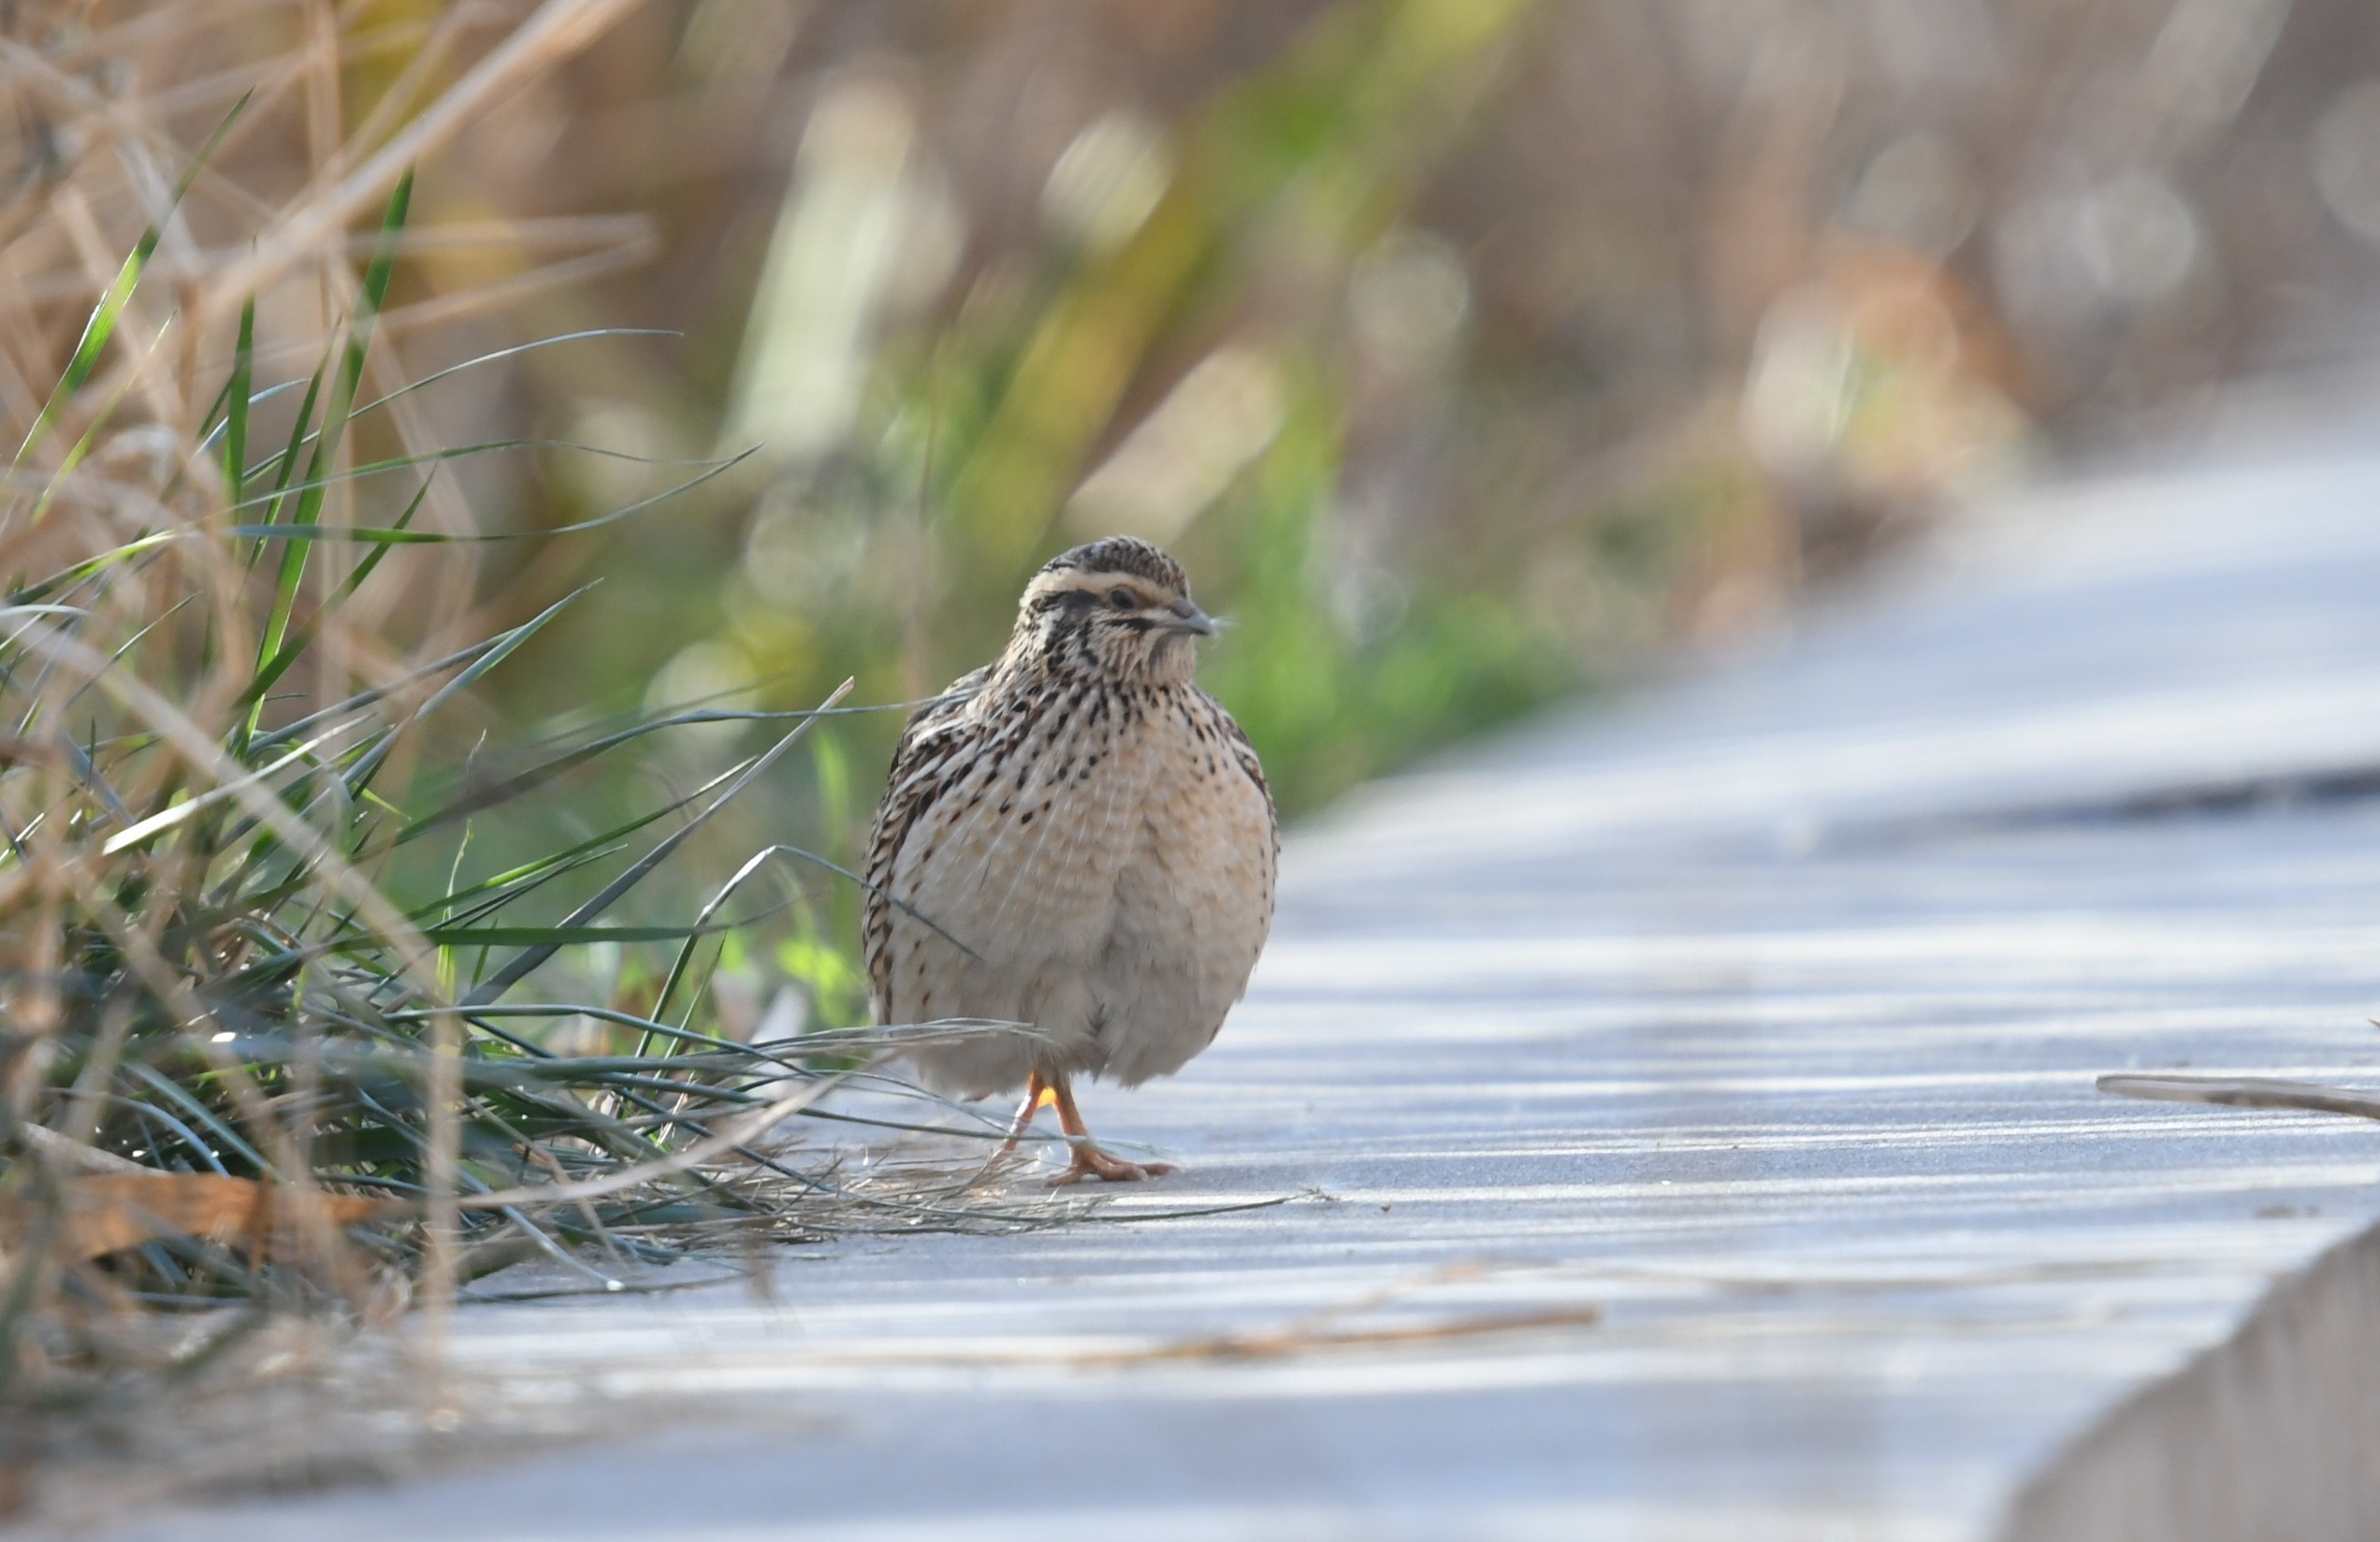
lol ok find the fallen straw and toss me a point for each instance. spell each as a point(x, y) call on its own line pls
point(2246, 1092)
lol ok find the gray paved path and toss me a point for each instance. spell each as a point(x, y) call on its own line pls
point(1757, 1021)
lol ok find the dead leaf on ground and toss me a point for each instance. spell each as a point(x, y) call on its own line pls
point(107, 1213)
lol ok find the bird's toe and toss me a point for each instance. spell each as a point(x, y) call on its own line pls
point(1091, 1162)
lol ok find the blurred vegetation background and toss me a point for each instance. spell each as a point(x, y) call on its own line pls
point(1469, 352)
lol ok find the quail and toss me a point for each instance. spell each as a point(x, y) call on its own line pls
point(1076, 840)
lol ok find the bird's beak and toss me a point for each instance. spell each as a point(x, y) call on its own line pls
point(1181, 616)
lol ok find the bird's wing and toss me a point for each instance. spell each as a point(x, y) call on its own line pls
point(936, 734)
point(1246, 754)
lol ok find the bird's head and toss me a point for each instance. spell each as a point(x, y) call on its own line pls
point(1119, 606)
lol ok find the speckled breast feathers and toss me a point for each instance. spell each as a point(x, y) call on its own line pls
point(1075, 838)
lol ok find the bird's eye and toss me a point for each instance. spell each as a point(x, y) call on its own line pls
point(1122, 598)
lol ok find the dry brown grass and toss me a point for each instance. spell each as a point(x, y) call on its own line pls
point(248, 1092)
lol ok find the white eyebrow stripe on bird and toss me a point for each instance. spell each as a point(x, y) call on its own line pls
point(1076, 581)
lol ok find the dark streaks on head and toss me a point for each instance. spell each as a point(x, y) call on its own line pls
point(1127, 553)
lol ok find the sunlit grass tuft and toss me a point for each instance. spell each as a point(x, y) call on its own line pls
point(247, 1072)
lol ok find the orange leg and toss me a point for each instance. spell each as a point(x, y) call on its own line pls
point(1037, 1092)
point(1089, 1161)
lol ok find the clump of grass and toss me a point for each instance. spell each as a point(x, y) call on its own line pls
point(241, 1068)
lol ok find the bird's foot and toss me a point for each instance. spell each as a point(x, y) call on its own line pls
point(1091, 1162)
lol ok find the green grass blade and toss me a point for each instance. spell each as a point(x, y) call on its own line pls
point(521, 964)
point(367, 698)
point(173, 1092)
point(95, 333)
point(531, 778)
point(493, 356)
point(538, 870)
point(504, 644)
point(73, 459)
point(702, 928)
point(380, 468)
point(104, 316)
point(327, 443)
point(565, 935)
point(178, 813)
point(89, 567)
point(243, 376)
point(295, 647)
point(498, 355)
point(518, 887)
point(210, 442)
point(78, 759)
point(285, 467)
